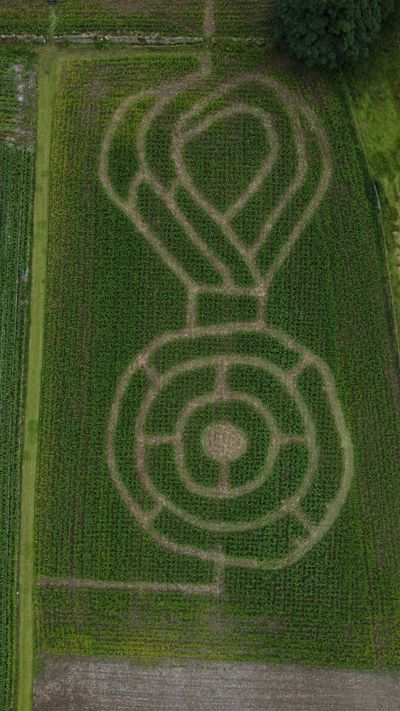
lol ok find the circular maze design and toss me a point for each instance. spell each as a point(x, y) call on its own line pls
point(219, 434)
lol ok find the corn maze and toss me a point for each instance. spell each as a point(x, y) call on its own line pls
point(226, 503)
point(218, 368)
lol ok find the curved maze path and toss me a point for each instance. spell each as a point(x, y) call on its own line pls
point(223, 442)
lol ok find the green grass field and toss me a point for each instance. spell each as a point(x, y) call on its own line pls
point(16, 206)
point(111, 293)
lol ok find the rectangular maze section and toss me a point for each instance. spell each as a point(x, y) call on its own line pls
point(218, 445)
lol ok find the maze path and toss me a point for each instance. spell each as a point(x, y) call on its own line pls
point(290, 507)
point(232, 442)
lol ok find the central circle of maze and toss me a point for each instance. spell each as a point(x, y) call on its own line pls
point(224, 442)
point(223, 394)
point(208, 465)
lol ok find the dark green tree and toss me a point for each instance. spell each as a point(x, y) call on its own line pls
point(328, 32)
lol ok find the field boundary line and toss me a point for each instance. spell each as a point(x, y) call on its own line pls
point(34, 39)
point(48, 72)
point(188, 588)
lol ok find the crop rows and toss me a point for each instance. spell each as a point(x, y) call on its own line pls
point(241, 18)
point(9, 59)
point(20, 17)
point(110, 295)
point(236, 18)
point(174, 18)
point(233, 18)
point(8, 98)
point(16, 199)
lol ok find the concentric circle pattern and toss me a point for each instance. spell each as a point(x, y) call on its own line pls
point(238, 454)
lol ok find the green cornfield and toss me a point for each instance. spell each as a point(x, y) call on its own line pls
point(159, 326)
point(16, 204)
point(233, 18)
point(152, 16)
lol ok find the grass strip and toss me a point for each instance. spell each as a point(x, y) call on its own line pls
point(48, 72)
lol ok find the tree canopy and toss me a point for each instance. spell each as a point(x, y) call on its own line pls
point(328, 32)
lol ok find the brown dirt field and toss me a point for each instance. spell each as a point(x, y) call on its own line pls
point(89, 684)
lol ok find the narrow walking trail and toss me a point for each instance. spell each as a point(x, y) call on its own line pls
point(48, 72)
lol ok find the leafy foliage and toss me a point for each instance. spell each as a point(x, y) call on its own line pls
point(328, 32)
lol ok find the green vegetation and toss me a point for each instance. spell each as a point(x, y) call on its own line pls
point(176, 17)
point(48, 72)
point(374, 89)
point(387, 7)
point(8, 96)
point(233, 18)
point(16, 197)
point(17, 96)
point(109, 295)
point(244, 18)
point(16, 202)
point(20, 17)
point(328, 33)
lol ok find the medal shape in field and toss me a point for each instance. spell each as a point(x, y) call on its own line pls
point(232, 420)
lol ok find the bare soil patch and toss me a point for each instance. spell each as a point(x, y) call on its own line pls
point(224, 442)
point(89, 684)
